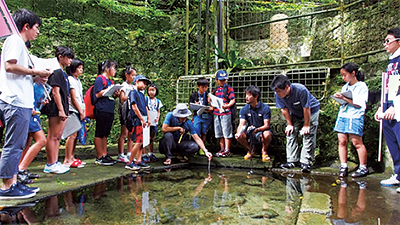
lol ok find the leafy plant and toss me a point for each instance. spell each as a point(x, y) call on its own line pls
point(232, 61)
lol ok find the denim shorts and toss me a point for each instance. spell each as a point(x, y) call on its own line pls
point(350, 125)
point(223, 126)
point(202, 125)
point(34, 124)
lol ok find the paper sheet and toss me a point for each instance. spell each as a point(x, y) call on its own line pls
point(72, 125)
point(153, 116)
point(216, 102)
point(111, 89)
point(146, 136)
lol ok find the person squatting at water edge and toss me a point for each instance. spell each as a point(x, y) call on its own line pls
point(301, 111)
point(176, 140)
point(350, 120)
point(17, 75)
point(257, 115)
point(389, 106)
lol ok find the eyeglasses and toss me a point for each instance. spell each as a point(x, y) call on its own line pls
point(388, 41)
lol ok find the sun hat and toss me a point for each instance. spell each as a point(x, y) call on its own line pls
point(142, 78)
point(181, 111)
point(221, 75)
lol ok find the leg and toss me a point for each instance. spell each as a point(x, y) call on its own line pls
point(292, 147)
point(56, 127)
point(309, 141)
point(187, 148)
point(361, 150)
point(98, 144)
point(28, 144)
point(227, 130)
point(121, 139)
point(266, 139)
point(343, 141)
point(167, 145)
point(243, 141)
point(391, 130)
point(40, 142)
point(70, 145)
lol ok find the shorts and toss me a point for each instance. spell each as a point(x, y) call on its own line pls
point(223, 126)
point(350, 125)
point(153, 130)
point(202, 123)
point(34, 124)
point(137, 134)
point(104, 121)
point(121, 121)
point(257, 136)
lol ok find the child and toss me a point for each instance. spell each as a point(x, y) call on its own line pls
point(104, 111)
point(76, 106)
point(203, 121)
point(140, 120)
point(222, 119)
point(350, 120)
point(57, 111)
point(128, 75)
point(154, 105)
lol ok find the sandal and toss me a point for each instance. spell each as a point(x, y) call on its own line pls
point(167, 162)
point(265, 158)
point(182, 159)
point(248, 156)
point(76, 164)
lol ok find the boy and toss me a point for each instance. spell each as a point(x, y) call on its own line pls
point(390, 126)
point(140, 120)
point(222, 119)
point(301, 111)
point(201, 122)
point(16, 101)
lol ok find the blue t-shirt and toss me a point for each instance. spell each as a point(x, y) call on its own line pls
point(172, 121)
point(257, 115)
point(104, 104)
point(137, 98)
point(298, 99)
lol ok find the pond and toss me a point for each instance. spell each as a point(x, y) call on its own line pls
point(225, 196)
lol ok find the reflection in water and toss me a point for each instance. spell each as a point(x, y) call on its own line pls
point(198, 197)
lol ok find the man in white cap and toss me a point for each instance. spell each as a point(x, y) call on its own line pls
point(175, 140)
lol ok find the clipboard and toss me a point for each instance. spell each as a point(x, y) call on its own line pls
point(72, 125)
point(111, 89)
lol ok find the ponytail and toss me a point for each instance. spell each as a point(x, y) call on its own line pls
point(352, 67)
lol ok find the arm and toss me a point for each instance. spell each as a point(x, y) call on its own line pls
point(166, 128)
point(348, 100)
point(289, 128)
point(158, 115)
point(138, 114)
point(230, 104)
point(264, 127)
point(76, 104)
point(57, 100)
point(123, 97)
point(100, 93)
point(307, 117)
point(242, 122)
point(11, 66)
point(200, 143)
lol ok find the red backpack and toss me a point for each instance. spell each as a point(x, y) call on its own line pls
point(90, 99)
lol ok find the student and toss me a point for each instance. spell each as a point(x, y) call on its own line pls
point(140, 120)
point(128, 75)
point(16, 101)
point(76, 106)
point(350, 121)
point(301, 111)
point(222, 119)
point(104, 111)
point(57, 110)
point(390, 126)
point(154, 105)
point(257, 115)
point(201, 122)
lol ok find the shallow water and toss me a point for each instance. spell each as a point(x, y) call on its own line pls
point(224, 197)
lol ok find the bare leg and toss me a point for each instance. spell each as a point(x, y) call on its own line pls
point(361, 150)
point(32, 151)
point(70, 146)
point(343, 141)
point(56, 127)
point(121, 139)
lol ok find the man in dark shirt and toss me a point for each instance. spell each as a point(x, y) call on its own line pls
point(301, 111)
point(258, 117)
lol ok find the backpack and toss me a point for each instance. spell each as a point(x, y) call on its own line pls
point(126, 116)
point(90, 99)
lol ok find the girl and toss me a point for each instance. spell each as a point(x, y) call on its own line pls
point(57, 110)
point(350, 121)
point(77, 107)
point(128, 75)
point(104, 110)
point(154, 105)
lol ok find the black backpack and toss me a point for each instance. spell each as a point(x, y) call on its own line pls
point(126, 116)
point(233, 108)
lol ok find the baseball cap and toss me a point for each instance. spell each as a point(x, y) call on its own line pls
point(221, 75)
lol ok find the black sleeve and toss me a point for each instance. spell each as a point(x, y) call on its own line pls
point(56, 79)
point(193, 98)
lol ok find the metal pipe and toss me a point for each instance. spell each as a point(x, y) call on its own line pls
point(207, 39)
point(219, 29)
point(187, 39)
point(342, 31)
point(365, 54)
point(199, 41)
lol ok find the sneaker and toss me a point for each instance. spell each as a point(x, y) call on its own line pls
point(219, 153)
point(289, 165)
point(145, 158)
point(143, 165)
point(122, 158)
point(392, 181)
point(362, 184)
point(56, 167)
point(132, 166)
point(23, 178)
point(398, 190)
point(30, 175)
point(26, 188)
point(343, 172)
point(360, 172)
point(108, 157)
point(14, 192)
point(223, 154)
point(105, 161)
point(153, 158)
point(305, 168)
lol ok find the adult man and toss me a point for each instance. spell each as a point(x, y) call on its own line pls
point(258, 117)
point(391, 126)
point(16, 101)
point(301, 111)
point(175, 140)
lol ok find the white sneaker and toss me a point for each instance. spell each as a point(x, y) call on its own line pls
point(122, 158)
point(392, 181)
point(398, 190)
point(57, 168)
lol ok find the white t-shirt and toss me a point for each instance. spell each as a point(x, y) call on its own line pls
point(76, 84)
point(126, 88)
point(17, 90)
point(359, 93)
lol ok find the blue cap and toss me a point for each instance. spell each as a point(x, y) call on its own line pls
point(221, 75)
point(142, 78)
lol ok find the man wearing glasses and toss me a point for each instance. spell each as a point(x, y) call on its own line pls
point(390, 126)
